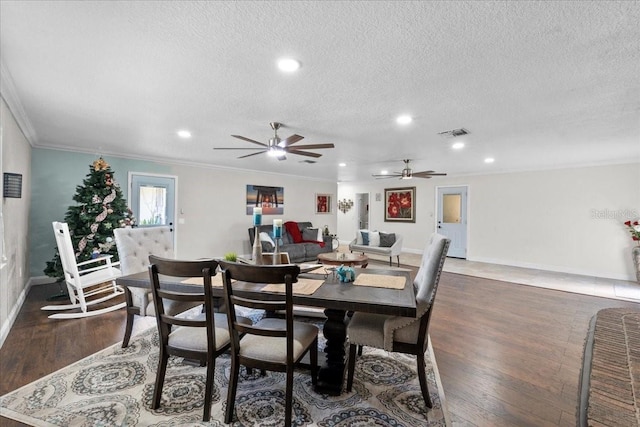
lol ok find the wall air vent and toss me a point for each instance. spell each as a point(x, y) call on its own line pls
point(453, 133)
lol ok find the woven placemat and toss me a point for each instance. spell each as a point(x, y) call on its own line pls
point(614, 371)
point(380, 281)
point(216, 283)
point(301, 287)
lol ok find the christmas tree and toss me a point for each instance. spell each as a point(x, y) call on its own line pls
point(100, 208)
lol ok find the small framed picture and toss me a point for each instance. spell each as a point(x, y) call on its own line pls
point(323, 203)
point(400, 204)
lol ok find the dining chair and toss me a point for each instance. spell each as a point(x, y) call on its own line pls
point(89, 282)
point(134, 246)
point(272, 344)
point(403, 334)
point(202, 338)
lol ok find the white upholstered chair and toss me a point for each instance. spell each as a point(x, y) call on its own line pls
point(98, 276)
point(403, 334)
point(134, 247)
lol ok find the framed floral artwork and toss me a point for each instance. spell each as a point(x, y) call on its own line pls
point(323, 203)
point(400, 204)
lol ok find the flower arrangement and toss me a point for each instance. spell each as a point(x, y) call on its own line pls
point(634, 229)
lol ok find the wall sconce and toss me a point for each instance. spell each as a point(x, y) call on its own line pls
point(344, 205)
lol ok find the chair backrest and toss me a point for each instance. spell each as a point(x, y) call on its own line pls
point(428, 276)
point(136, 244)
point(204, 269)
point(267, 274)
point(65, 249)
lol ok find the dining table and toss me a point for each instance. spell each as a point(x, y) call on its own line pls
point(338, 299)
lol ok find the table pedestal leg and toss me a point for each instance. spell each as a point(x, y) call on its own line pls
point(331, 374)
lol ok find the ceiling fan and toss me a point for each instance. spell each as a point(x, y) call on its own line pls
point(407, 173)
point(277, 147)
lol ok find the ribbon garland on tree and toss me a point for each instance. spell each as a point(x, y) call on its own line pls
point(101, 217)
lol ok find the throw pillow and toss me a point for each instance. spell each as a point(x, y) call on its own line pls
point(387, 239)
point(310, 234)
point(374, 238)
point(320, 236)
point(359, 237)
point(267, 242)
point(365, 237)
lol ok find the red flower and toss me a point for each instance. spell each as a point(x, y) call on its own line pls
point(627, 223)
point(405, 199)
point(393, 210)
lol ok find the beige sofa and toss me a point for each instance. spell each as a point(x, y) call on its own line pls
point(374, 245)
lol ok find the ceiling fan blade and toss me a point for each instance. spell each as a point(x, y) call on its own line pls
point(304, 153)
point(236, 148)
point(252, 154)
point(313, 146)
point(291, 140)
point(385, 176)
point(428, 174)
point(249, 140)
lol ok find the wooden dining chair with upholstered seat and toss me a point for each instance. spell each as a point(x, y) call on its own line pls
point(403, 334)
point(271, 344)
point(134, 247)
point(201, 338)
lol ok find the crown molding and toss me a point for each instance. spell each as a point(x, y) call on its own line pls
point(10, 96)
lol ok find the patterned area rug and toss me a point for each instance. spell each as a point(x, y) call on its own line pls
point(611, 373)
point(114, 387)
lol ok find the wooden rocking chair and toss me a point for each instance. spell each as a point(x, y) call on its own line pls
point(98, 274)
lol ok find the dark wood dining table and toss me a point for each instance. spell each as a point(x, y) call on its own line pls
point(335, 297)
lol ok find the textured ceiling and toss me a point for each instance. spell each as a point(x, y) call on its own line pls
point(537, 84)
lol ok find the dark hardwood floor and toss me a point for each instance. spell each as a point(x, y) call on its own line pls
point(508, 355)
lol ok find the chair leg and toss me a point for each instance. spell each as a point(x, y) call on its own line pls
point(208, 389)
point(231, 391)
point(423, 380)
point(351, 366)
point(288, 397)
point(390, 261)
point(360, 350)
point(162, 369)
point(314, 362)
point(398, 260)
point(130, 317)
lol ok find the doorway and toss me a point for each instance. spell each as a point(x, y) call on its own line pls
point(152, 199)
point(362, 203)
point(452, 218)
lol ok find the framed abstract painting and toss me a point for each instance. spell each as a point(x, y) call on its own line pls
point(400, 204)
point(323, 203)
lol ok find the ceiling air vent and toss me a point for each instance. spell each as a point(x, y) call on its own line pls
point(453, 133)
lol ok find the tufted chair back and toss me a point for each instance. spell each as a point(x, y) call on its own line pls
point(136, 244)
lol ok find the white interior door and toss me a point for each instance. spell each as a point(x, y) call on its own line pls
point(452, 218)
point(152, 199)
point(362, 202)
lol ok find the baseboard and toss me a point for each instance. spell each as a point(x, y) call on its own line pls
point(6, 326)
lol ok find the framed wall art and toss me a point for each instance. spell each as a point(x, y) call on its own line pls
point(270, 199)
point(400, 204)
point(323, 203)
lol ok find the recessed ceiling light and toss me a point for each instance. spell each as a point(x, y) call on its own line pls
point(404, 120)
point(458, 145)
point(184, 134)
point(384, 172)
point(489, 160)
point(342, 165)
point(288, 65)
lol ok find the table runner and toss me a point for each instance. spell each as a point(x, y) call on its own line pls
point(380, 281)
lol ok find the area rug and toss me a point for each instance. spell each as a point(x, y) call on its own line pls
point(114, 387)
point(610, 381)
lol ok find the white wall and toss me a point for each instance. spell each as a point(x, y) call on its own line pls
point(567, 220)
point(213, 204)
point(15, 154)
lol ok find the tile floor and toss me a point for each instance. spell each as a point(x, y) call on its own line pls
point(587, 285)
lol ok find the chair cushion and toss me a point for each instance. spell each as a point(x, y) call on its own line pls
point(367, 329)
point(274, 349)
point(171, 307)
point(190, 338)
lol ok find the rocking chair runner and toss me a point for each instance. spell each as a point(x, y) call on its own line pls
point(98, 274)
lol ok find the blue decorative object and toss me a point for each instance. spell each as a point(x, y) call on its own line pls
point(346, 274)
point(365, 238)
